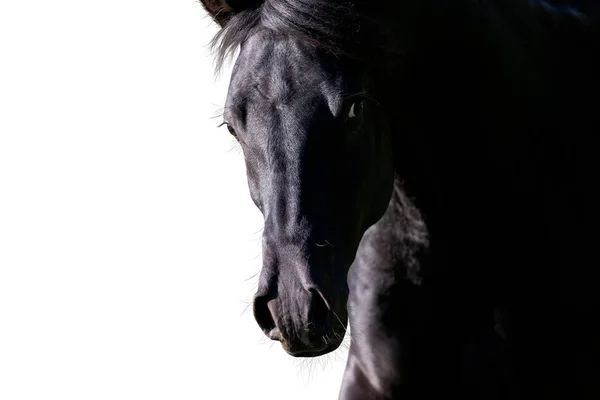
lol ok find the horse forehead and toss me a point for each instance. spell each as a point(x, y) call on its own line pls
point(282, 68)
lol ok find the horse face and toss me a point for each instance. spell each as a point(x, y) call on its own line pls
point(319, 168)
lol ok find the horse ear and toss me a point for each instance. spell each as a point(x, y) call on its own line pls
point(222, 10)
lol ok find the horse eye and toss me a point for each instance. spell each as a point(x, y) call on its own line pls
point(231, 130)
point(355, 109)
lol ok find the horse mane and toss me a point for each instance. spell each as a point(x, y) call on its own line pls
point(353, 27)
point(327, 24)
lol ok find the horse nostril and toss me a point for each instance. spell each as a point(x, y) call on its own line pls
point(263, 316)
point(320, 313)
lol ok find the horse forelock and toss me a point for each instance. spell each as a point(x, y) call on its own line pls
point(333, 26)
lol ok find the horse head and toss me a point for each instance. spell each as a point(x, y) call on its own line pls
point(318, 159)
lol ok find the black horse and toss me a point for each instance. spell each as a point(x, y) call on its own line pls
point(473, 124)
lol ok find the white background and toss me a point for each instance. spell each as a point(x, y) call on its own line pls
point(128, 241)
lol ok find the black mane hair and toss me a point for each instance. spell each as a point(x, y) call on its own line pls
point(356, 28)
point(333, 26)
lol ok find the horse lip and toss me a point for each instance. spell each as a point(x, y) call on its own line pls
point(316, 352)
point(274, 334)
